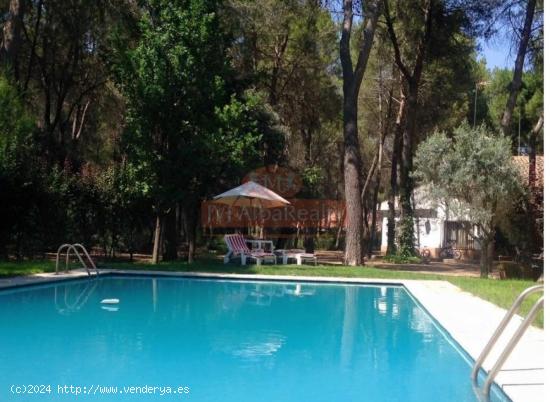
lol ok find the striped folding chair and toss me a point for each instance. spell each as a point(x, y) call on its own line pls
point(237, 248)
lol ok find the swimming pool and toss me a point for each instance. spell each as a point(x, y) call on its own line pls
point(211, 340)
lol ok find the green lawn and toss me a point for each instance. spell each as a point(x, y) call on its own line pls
point(499, 292)
point(12, 268)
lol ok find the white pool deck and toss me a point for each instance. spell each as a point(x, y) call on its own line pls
point(467, 318)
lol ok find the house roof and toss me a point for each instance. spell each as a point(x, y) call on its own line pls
point(522, 162)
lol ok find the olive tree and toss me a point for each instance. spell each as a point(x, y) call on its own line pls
point(473, 172)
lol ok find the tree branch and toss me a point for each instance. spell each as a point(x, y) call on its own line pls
point(345, 54)
point(33, 46)
point(372, 12)
point(538, 127)
point(515, 86)
point(395, 43)
point(423, 45)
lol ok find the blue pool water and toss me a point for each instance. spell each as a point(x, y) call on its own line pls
point(225, 341)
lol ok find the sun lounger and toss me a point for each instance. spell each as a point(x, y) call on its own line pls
point(238, 248)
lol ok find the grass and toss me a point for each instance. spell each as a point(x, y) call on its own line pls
point(499, 292)
point(18, 268)
point(216, 266)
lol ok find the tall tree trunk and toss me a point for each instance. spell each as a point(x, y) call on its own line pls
point(365, 199)
point(487, 250)
point(352, 78)
point(374, 202)
point(370, 176)
point(484, 261)
point(406, 243)
point(383, 126)
point(32, 57)
point(352, 179)
point(309, 240)
point(157, 238)
point(395, 160)
point(409, 133)
point(391, 246)
point(410, 84)
point(191, 229)
point(372, 239)
point(515, 85)
point(11, 36)
point(170, 238)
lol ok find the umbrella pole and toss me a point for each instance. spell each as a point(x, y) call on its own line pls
point(261, 221)
point(231, 207)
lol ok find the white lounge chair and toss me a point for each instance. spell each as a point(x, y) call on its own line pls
point(237, 247)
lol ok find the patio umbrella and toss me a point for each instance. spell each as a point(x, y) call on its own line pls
point(251, 194)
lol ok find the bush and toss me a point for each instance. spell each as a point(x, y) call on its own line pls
point(402, 259)
point(217, 244)
point(325, 241)
point(514, 270)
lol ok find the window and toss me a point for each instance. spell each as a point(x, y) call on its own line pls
point(457, 233)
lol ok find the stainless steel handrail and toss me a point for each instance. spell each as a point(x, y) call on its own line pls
point(73, 247)
point(87, 256)
point(59, 250)
point(512, 342)
point(68, 259)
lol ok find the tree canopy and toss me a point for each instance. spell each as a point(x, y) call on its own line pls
point(118, 118)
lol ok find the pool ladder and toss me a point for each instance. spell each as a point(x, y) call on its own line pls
point(74, 248)
point(513, 340)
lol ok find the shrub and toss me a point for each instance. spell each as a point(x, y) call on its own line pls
point(402, 259)
point(514, 270)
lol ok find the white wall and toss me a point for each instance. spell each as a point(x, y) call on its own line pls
point(433, 239)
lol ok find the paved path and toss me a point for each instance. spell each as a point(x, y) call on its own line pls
point(42, 278)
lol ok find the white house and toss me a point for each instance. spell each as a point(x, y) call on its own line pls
point(435, 227)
